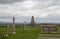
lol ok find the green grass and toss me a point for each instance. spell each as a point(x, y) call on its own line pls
point(20, 34)
point(26, 34)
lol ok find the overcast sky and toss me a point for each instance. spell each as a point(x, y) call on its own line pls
point(46, 11)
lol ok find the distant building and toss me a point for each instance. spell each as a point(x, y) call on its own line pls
point(48, 28)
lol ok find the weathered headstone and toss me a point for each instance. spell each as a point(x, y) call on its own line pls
point(24, 26)
point(13, 26)
point(6, 31)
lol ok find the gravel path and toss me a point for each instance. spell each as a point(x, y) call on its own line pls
point(45, 36)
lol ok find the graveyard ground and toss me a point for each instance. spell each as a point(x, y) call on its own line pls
point(26, 34)
point(20, 34)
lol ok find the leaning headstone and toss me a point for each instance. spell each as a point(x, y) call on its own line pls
point(6, 31)
point(5, 34)
point(13, 26)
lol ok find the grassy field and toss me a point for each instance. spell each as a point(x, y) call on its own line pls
point(20, 34)
point(26, 34)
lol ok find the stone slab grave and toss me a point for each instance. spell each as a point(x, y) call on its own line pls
point(48, 28)
point(48, 31)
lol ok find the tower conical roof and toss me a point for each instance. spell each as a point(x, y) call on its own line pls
point(32, 21)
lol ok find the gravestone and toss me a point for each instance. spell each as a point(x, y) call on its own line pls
point(24, 26)
point(13, 26)
point(6, 31)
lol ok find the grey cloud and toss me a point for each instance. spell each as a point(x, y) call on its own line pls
point(10, 1)
point(41, 4)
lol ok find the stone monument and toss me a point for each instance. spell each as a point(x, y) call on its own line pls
point(13, 26)
point(24, 26)
point(32, 23)
point(48, 28)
